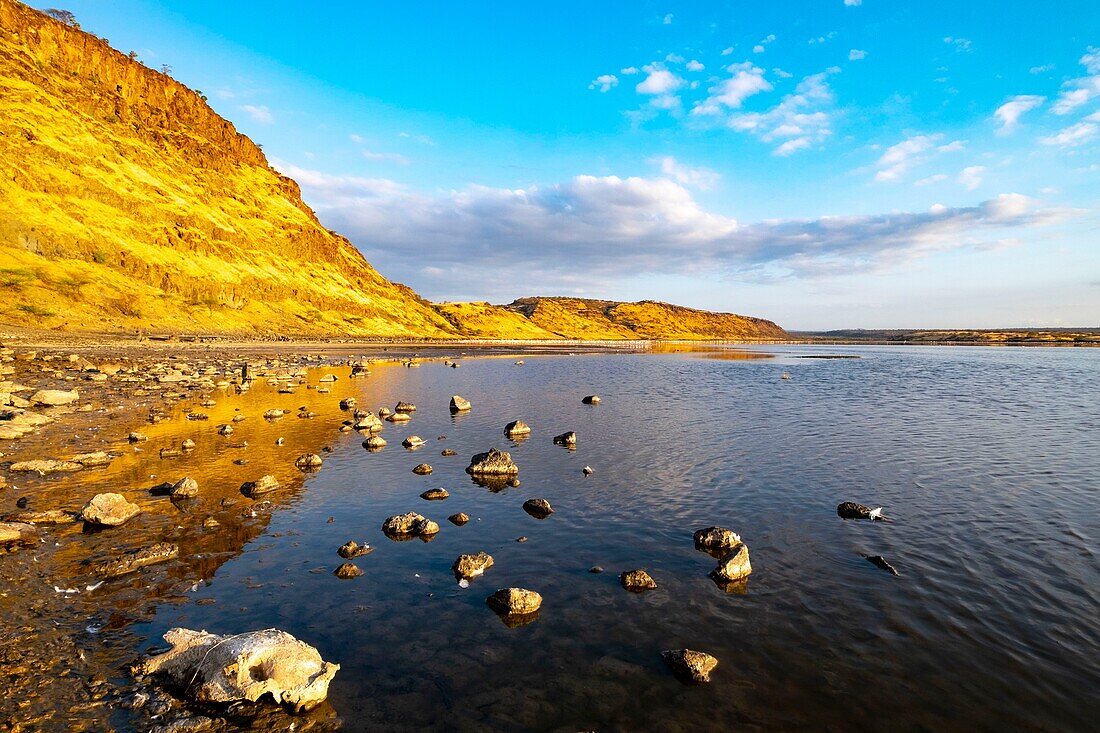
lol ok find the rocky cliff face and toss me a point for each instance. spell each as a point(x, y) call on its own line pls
point(127, 202)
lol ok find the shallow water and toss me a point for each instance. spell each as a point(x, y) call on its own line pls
point(986, 458)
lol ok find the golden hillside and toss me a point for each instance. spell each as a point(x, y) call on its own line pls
point(126, 202)
point(482, 320)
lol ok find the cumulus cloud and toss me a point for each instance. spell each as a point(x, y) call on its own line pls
point(856, 55)
point(694, 65)
point(1008, 114)
point(658, 80)
point(1077, 134)
point(758, 48)
point(797, 122)
point(701, 178)
point(595, 229)
point(259, 113)
point(900, 158)
point(971, 177)
point(1041, 69)
point(746, 80)
point(629, 70)
point(604, 82)
point(727, 51)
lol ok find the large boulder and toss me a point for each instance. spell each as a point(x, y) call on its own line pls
point(690, 665)
point(493, 463)
point(109, 510)
point(54, 397)
point(468, 567)
point(209, 668)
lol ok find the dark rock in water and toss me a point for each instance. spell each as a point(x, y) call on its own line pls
point(308, 462)
point(265, 485)
point(880, 561)
point(404, 407)
point(468, 567)
point(517, 428)
point(413, 441)
point(185, 488)
point(521, 538)
point(137, 437)
point(569, 440)
point(715, 538)
point(410, 524)
point(852, 510)
point(422, 469)
point(348, 403)
point(459, 519)
point(733, 566)
point(587, 471)
point(515, 601)
point(637, 581)
point(130, 562)
point(592, 399)
point(538, 508)
point(690, 665)
point(352, 549)
point(460, 404)
point(374, 442)
point(595, 569)
point(493, 463)
point(346, 571)
point(449, 452)
point(435, 494)
point(225, 429)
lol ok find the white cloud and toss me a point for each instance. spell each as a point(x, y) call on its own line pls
point(1078, 92)
point(1091, 60)
point(1041, 69)
point(727, 51)
point(658, 81)
point(259, 113)
point(604, 82)
point(971, 177)
point(629, 70)
point(782, 74)
point(961, 45)
point(746, 80)
point(797, 122)
point(357, 139)
point(386, 157)
point(607, 228)
point(1009, 113)
point(674, 58)
point(935, 178)
point(821, 39)
point(694, 65)
point(1071, 99)
point(701, 178)
point(1077, 134)
point(422, 139)
point(758, 49)
point(853, 3)
point(668, 19)
point(856, 55)
point(897, 159)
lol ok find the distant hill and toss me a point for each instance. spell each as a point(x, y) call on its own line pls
point(579, 318)
point(1007, 336)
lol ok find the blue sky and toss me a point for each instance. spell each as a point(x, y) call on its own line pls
point(825, 164)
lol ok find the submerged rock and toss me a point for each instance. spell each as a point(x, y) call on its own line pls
point(435, 494)
point(132, 561)
point(95, 459)
point(109, 510)
point(249, 666)
point(50, 516)
point(880, 562)
point(569, 439)
point(352, 549)
point(637, 581)
point(347, 570)
point(468, 567)
point(449, 452)
point(538, 508)
point(396, 417)
point(690, 665)
point(852, 510)
point(493, 463)
point(410, 524)
point(460, 404)
point(264, 485)
point(136, 437)
point(44, 467)
point(515, 601)
point(517, 428)
point(422, 469)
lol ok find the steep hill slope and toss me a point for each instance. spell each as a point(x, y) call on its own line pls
point(482, 320)
point(126, 202)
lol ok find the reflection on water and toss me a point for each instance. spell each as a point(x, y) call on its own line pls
point(985, 458)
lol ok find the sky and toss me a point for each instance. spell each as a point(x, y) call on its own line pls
point(825, 164)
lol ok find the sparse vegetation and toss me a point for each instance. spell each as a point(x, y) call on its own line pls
point(35, 310)
point(64, 16)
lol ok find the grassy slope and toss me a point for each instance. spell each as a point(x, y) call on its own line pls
point(126, 202)
point(482, 320)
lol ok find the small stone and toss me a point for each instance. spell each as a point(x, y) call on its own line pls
point(459, 519)
point(852, 510)
point(592, 399)
point(109, 510)
point(352, 549)
point(264, 485)
point(94, 459)
point(449, 452)
point(515, 601)
point(493, 463)
point(460, 404)
point(273, 414)
point(348, 403)
point(637, 581)
point(346, 571)
point(435, 494)
point(137, 437)
point(397, 417)
point(185, 488)
point(374, 442)
point(538, 508)
point(469, 567)
point(413, 441)
point(587, 471)
point(734, 565)
point(517, 428)
point(404, 407)
point(689, 664)
point(225, 429)
point(715, 538)
point(595, 569)
point(569, 440)
point(308, 462)
point(187, 444)
point(409, 524)
point(422, 469)
point(132, 561)
point(17, 533)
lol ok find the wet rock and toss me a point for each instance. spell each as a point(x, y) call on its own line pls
point(517, 428)
point(374, 442)
point(352, 549)
point(348, 403)
point(449, 452)
point(17, 533)
point(538, 508)
point(50, 516)
point(460, 404)
point(852, 510)
point(170, 452)
point(410, 524)
point(468, 567)
point(134, 560)
point(346, 571)
point(515, 601)
point(264, 485)
point(384, 412)
point(592, 399)
point(396, 417)
point(44, 467)
point(459, 519)
point(715, 538)
point(225, 429)
point(109, 510)
point(422, 469)
point(308, 462)
point(596, 569)
point(136, 437)
point(569, 439)
point(368, 422)
point(186, 724)
point(273, 414)
point(54, 397)
point(587, 471)
point(197, 416)
point(880, 562)
point(187, 444)
point(185, 488)
point(413, 441)
point(92, 460)
point(249, 666)
point(404, 407)
point(690, 665)
point(493, 463)
point(734, 565)
point(435, 494)
point(637, 581)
